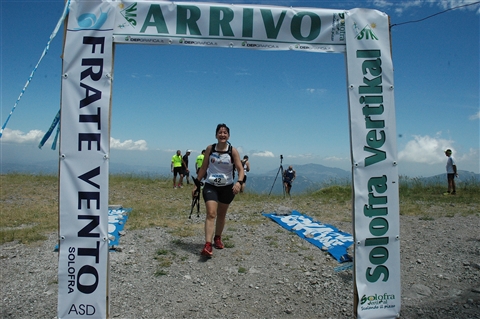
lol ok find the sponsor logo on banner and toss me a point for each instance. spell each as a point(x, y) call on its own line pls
point(306, 47)
point(377, 301)
point(259, 45)
point(145, 40)
point(338, 27)
point(366, 33)
point(197, 42)
point(302, 47)
point(129, 13)
point(91, 21)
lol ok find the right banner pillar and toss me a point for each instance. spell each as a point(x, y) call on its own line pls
point(375, 180)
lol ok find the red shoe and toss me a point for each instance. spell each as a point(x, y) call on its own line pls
point(207, 250)
point(217, 242)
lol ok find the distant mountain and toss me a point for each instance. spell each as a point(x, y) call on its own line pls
point(119, 168)
point(47, 168)
point(51, 167)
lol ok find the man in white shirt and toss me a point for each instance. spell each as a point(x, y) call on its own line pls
point(451, 173)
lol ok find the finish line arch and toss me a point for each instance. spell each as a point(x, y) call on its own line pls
point(93, 29)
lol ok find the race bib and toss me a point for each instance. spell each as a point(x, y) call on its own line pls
point(218, 179)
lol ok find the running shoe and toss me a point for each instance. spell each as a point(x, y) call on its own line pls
point(217, 242)
point(207, 250)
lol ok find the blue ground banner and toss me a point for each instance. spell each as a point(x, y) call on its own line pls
point(117, 217)
point(325, 237)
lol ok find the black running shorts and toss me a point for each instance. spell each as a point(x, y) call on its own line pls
point(177, 171)
point(220, 194)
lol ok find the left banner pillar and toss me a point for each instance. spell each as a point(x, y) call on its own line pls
point(84, 160)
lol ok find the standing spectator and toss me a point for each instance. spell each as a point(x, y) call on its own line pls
point(177, 169)
point(219, 188)
point(199, 161)
point(289, 176)
point(451, 173)
point(186, 171)
point(246, 168)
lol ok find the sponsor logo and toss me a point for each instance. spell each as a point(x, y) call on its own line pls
point(144, 40)
point(89, 21)
point(338, 27)
point(302, 47)
point(196, 42)
point(259, 45)
point(366, 33)
point(312, 47)
point(129, 13)
point(377, 301)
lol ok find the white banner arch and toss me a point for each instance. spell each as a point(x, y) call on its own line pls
point(94, 26)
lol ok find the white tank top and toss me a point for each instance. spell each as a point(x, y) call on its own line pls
point(220, 169)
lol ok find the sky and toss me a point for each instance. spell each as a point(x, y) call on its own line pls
point(275, 102)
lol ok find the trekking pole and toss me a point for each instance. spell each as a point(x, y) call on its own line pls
point(196, 198)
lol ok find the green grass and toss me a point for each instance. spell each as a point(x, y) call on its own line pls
point(428, 202)
point(29, 205)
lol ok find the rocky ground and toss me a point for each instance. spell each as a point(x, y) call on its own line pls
point(267, 272)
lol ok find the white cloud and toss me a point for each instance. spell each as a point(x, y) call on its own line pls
point(17, 136)
point(129, 145)
point(335, 159)
point(263, 154)
point(35, 136)
point(425, 149)
point(447, 4)
point(472, 154)
point(402, 6)
point(302, 156)
point(382, 3)
point(474, 116)
point(315, 91)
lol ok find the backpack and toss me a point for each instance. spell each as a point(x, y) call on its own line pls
point(229, 151)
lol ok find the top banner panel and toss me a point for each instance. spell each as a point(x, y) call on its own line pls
point(226, 25)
